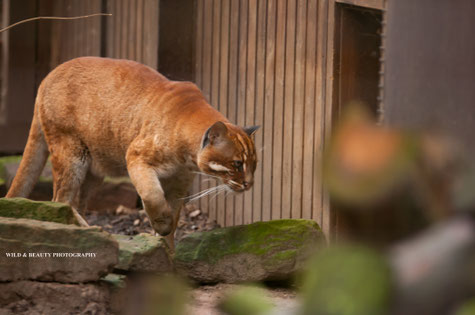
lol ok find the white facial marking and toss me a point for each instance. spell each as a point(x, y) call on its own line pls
point(218, 167)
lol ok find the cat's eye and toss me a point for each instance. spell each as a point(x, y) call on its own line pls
point(238, 165)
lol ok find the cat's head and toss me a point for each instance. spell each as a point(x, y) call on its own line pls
point(228, 152)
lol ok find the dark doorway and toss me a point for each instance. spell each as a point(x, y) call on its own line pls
point(357, 56)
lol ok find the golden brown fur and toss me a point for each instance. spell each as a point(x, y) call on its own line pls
point(98, 117)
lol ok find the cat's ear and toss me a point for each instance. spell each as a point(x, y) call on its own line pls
point(216, 133)
point(251, 130)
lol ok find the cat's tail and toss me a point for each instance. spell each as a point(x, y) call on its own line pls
point(33, 161)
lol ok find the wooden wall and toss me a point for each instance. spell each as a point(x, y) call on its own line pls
point(262, 62)
point(130, 33)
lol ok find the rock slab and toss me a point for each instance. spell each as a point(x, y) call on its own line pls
point(47, 251)
point(33, 297)
point(272, 250)
point(37, 210)
point(143, 253)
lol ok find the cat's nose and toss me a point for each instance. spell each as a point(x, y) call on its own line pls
point(246, 184)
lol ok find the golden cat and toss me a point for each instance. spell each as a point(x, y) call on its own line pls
point(98, 116)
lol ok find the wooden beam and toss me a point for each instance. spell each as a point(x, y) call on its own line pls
point(372, 4)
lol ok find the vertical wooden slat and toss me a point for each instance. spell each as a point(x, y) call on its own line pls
point(223, 88)
point(214, 99)
point(117, 28)
point(198, 67)
point(151, 33)
point(250, 91)
point(139, 30)
point(131, 42)
point(328, 218)
point(278, 110)
point(259, 106)
point(317, 194)
point(288, 109)
point(206, 83)
point(232, 87)
point(309, 109)
point(123, 25)
point(241, 94)
point(268, 111)
point(299, 111)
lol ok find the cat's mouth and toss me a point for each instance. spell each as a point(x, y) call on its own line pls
point(237, 187)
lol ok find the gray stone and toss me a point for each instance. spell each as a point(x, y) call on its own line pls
point(273, 250)
point(47, 251)
point(37, 210)
point(33, 297)
point(143, 253)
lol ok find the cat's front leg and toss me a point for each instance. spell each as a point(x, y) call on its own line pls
point(148, 186)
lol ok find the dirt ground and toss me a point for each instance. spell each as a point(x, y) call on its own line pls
point(205, 298)
point(134, 221)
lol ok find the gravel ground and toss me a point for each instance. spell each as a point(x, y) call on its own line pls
point(134, 221)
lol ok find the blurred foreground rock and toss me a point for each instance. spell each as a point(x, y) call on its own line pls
point(47, 251)
point(143, 253)
point(273, 250)
point(37, 210)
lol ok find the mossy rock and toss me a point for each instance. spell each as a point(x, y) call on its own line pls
point(272, 250)
point(347, 280)
point(143, 253)
point(37, 210)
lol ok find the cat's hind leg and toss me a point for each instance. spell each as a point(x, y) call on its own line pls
point(70, 162)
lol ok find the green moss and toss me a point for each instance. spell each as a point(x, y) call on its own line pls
point(347, 280)
point(37, 210)
point(467, 308)
point(115, 281)
point(272, 239)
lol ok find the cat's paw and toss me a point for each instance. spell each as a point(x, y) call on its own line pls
point(163, 224)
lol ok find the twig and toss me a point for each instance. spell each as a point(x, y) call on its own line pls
point(54, 18)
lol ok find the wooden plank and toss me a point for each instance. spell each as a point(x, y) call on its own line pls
point(5, 20)
point(232, 87)
point(288, 109)
point(268, 111)
point(309, 110)
point(139, 30)
point(223, 89)
point(241, 94)
point(151, 41)
point(215, 71)
point(110, 4)
point(117, 28)
point(131, 24)
point(250, 92)
point(299, 80)
point(259, 106)
point(328, 217)
point(317, 194)
point(372, 4)
point(198, 70)
point(206, 77)
point(124, 28)
point(281, 15)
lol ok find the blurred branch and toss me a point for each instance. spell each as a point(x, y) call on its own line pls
point(53, 18)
